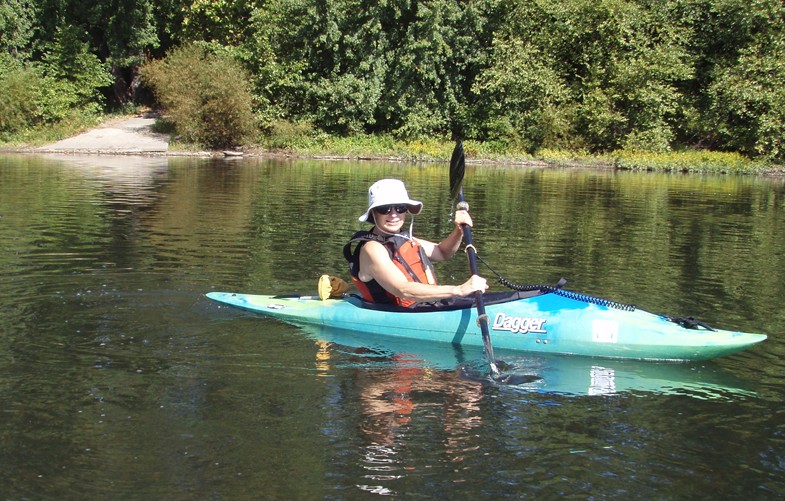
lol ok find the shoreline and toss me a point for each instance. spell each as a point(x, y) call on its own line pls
point(774, 171)
point(133, 135)
point(228, 154)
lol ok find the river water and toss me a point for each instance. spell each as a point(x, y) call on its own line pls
point(120, 380)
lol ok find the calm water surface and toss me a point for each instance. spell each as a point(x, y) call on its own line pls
point(120, 380)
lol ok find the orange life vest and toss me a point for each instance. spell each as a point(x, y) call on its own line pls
point(404, 252)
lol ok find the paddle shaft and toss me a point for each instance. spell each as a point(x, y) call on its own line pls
point(482, 317)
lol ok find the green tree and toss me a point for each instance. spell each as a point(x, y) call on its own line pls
point(748, 102)
point(66, 82)
point(225, 22)
point(396, 66)
point(118, 32)
point(320, 61)
point(525, 102)
point(17, 18)
point(436, 49)
point(74, 71)
point(731, 40)
point(741, 44)
point(346, 63)
point(583, 74)
point(604, 74)
point(17, 95)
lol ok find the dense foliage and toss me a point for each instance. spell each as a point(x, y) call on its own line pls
point(586, 75)
point(63, 81)
point(206, 94)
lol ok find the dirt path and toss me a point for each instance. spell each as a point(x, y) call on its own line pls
point(128, 136)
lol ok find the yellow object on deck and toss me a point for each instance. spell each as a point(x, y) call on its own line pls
point(331, 286)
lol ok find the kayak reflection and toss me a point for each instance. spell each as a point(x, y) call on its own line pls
point(567, 375)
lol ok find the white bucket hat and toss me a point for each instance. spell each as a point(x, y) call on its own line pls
point(389, 192)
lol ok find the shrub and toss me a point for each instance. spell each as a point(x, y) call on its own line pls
point(19, 90)
point(285, 135)
point(206, 95)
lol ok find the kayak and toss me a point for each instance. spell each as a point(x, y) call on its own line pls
point(554, 321)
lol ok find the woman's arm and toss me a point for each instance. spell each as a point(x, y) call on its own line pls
point(447, 248)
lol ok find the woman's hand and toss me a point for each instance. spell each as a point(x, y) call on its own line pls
point(462, 217)
point(475, 284)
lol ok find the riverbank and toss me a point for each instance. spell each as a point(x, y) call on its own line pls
point(138, 135)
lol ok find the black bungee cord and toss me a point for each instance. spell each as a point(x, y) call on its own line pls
point(686, 322)
point(556, 289)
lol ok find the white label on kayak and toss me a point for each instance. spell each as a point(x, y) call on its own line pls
point(604, 331)
point(275, 306)
point(522, 325)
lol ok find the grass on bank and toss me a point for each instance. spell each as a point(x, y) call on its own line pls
point(689, 161)
point(75, 123)
point(301, 139)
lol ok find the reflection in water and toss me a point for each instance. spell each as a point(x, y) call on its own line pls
point(401, 397)
point(602, 382)
point(412, 392)
point(542, 373)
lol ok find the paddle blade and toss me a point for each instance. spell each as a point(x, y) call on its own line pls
point(457, 169)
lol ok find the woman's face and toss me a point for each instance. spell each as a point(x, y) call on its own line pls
point(390, 218)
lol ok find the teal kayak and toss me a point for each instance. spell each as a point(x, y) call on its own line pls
point(554, 322)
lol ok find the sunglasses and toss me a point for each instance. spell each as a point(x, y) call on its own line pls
point(386, 209)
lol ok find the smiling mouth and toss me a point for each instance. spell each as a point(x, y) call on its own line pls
point(393, 220)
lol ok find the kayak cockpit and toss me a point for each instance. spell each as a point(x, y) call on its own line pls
point(462, 303)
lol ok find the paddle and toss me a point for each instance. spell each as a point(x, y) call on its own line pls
point(457, 170)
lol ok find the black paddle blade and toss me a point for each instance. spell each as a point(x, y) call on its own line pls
point(457, 169)
point(517, 379)
point(477, 371)
point(511, 378)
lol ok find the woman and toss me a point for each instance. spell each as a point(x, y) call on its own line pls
point(390, 266)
